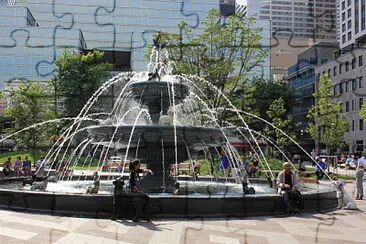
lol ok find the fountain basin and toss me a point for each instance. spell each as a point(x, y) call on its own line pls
point(164, 205)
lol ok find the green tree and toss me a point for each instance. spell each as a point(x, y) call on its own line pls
point(329, 123)
point(224, 55)
point(77, 77)
point(260, 95)
point(31, 104)
point(280, 118)
point(363, 111)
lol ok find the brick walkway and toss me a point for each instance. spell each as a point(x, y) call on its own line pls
point(339, 226)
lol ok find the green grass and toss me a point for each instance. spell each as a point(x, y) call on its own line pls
point(94, 168)
point(205, 168)
point(34, 157)
point(14, 155)
point(274, 164)
point(345, 177)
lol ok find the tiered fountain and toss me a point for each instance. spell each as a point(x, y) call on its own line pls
point(158, 143)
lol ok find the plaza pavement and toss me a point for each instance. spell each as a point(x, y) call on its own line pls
point(339, 226)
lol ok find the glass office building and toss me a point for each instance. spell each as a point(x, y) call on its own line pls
point(35, 32)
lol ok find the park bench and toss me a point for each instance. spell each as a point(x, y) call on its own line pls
point(185, 168)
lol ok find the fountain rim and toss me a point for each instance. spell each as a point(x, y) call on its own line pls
point(161, 206)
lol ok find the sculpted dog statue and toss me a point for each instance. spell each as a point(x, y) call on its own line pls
point(40, 186)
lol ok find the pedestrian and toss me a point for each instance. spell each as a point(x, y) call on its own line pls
point(224, 164)
point(320, 169)
point(197, 166)
point(360, 171)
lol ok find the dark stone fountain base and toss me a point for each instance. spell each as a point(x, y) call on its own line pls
point(169, 206)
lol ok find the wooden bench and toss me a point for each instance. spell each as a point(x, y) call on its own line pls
point(308, 180)
point(183, 167)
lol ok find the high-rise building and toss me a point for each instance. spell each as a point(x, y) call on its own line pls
point(347, 71)
point(353, 23)
point(296, 25)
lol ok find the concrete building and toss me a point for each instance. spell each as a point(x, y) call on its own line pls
point(296, 25)
point(348, 73)
point(301, 77)
point(352, 23)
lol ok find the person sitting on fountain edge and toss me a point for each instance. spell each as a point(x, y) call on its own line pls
point(134, 179)
point(287, 186)
point(8, 167)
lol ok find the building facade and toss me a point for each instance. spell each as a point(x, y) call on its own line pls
point(352, 23)
point(296, 25)
point(34, 33)
point(348, 75)
point(301, 77)
point(347, 71)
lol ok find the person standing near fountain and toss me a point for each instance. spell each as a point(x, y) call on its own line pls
point(361, 164)
point(224, 164)
point(197, 166)
point(287, 186)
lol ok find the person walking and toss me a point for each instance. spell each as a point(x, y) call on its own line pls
point(360, 171)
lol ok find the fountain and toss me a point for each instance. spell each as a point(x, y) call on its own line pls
point(154, 136)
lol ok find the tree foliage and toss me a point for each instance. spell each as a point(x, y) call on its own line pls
point(329, 123)
point(260, 95)
point(280, 118)
point(77, 77)
point(363, 111)
point(30, 104)
point(224, 55)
